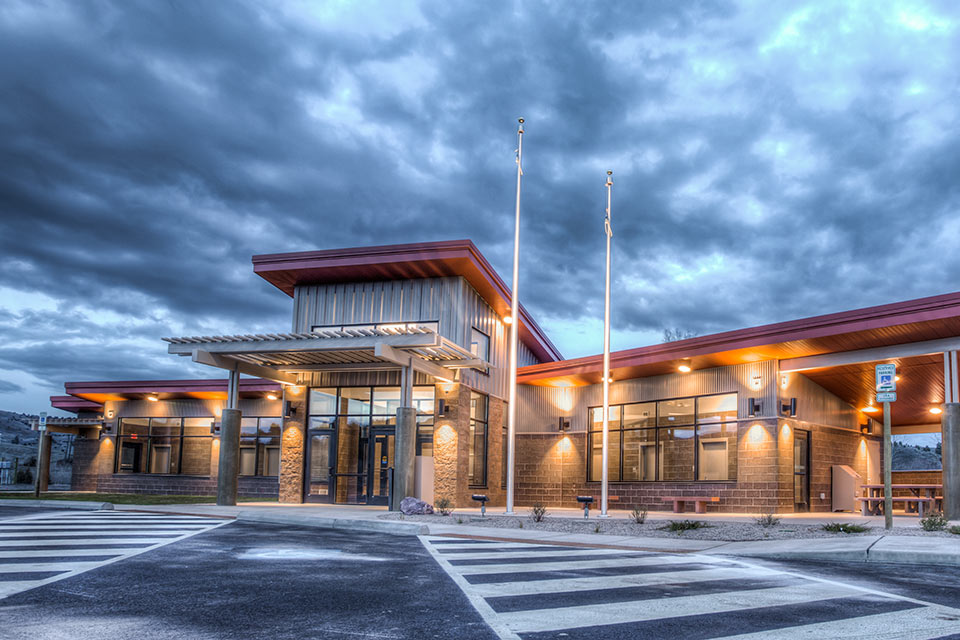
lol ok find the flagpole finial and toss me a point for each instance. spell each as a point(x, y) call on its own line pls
point(520, 120)
point(609, 173)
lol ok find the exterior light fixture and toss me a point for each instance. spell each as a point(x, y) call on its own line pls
point(610, 379)
point(754, 407)
point(936, 410)
point(755, 382)
point(684, 368)
point(507, 320)
point(869, 409)
point(153, 398)
point(271, 396)
point(896, 378)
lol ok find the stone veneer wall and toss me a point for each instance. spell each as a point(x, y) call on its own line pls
point(293, 448)
point(451, 454)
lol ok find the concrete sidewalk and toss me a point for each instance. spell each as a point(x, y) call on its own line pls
point(876, 548)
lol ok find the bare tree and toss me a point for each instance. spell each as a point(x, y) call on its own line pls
point(672, 335)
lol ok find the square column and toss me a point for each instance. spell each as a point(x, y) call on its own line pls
point(950, 429)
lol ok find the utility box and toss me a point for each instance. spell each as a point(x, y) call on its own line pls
point(846, 487)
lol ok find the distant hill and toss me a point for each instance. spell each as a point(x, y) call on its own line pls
point(908, 457)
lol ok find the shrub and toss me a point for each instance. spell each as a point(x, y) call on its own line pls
point(639, 514)
point(459, 520)
point(934, 522)
point(684, 525)
point(955, 529)
point(443, 506)
point(596, 529)
point(24, 476)
point(844, 527)
point(768, 520)
point(538, 512)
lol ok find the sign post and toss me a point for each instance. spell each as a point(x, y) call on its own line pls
point(886, 375)
point(42, 428)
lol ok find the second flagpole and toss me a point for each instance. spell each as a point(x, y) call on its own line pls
point(604, 488)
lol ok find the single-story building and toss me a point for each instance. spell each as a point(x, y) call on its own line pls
point(395, 371)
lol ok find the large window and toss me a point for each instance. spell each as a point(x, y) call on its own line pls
point(480, 344)
point(165, 446)
point(355, 409)
point(260, 446)
point(678, 440)
point(479, 404)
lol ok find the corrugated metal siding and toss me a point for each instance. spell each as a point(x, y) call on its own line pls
point(541, 407)
point(362, 379)
point(451, 301)
point(817, 405)
point(191, 408)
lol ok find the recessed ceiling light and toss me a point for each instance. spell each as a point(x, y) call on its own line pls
point(936, 410)
point(684, 368)
point(152, 398)
point(869, 409)
point(507, 319)
point(271, 396)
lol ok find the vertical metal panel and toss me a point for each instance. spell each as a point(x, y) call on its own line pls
point(545, 405)
point(450, 301)
point(817, 405)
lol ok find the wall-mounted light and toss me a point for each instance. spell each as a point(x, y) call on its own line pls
point(754, 409)
point(865, 428)
point(564, 424)
point(936, 410)
point(684, 368)
point(153, 398)
point(789, 408)
point(784, 381)
point(441, 407)
point(271, 396)
point(110, 414)
point(288, 409)
point(755, 382)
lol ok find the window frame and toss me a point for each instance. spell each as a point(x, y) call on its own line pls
point(257, 438)
point(486, 439)
point(656, 428)
point(148, 439)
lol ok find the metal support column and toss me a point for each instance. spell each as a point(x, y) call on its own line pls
point(227, 478)
point(44, 450)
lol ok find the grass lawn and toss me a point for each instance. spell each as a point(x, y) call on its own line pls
point(124, 498)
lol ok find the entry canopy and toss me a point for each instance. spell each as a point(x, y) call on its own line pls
point(281, 356)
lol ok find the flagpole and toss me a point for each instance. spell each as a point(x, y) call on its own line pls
point(604, 488)
point(514, 330)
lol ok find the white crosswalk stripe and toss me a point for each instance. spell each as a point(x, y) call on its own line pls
point(538, 590)
point(39, 549)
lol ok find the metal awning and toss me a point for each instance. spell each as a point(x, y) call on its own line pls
point(280, 356)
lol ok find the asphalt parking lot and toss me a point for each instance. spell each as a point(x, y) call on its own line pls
point(253, 581)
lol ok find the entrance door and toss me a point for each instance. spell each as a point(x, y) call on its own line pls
point(801, 470)
point(381, 461)
point(319, 480)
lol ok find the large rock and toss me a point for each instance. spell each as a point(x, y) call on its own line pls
point(411, 506)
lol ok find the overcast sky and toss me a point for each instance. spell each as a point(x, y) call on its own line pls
point(771, 161)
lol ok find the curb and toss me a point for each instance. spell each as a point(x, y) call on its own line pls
point(339, 524)
point(58, 504)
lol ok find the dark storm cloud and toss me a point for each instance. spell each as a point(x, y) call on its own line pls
point(770, 162)
point(9, 387)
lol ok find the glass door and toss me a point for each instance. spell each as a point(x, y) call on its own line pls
point(319, 443)
point(801, 470)
point(381, 461)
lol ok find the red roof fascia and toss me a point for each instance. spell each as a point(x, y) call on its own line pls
point(167, 386)
point(401, 262)
point(75, 405)
point(845, 322)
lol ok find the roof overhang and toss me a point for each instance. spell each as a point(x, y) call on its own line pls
point(835, 350)
point(119, 391)
point(74, 404)
point(281, 356)
point(402, 262)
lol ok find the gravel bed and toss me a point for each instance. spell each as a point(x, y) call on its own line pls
point(714, 530)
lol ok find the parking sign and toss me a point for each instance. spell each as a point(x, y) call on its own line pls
point(886, 377)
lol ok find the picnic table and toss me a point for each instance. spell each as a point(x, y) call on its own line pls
point(872, 502)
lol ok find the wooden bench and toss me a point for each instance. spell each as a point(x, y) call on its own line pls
point(700, 502)
point(870, 506)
